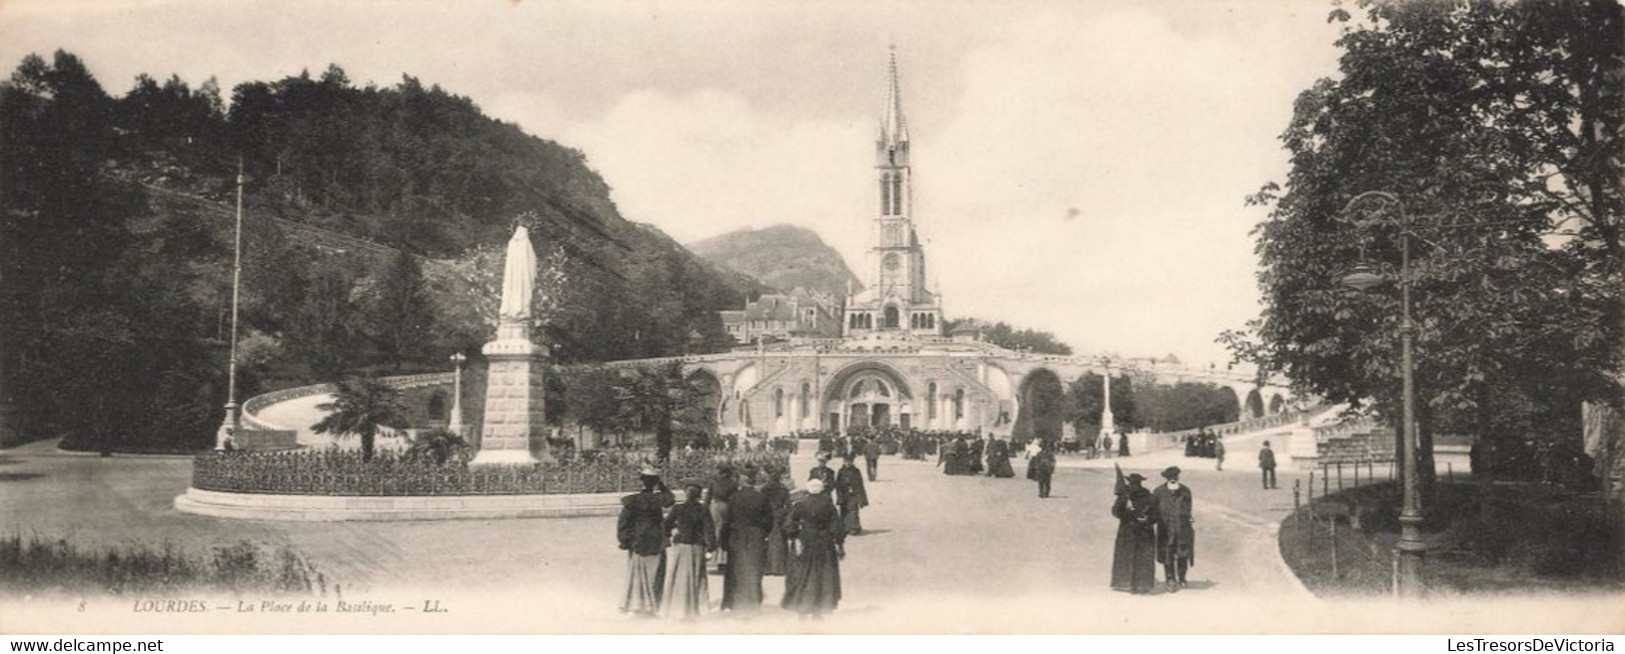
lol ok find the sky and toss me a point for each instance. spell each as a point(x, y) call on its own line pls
point(1079, 167)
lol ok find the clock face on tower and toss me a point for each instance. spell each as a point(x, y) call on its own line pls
point(892, 261)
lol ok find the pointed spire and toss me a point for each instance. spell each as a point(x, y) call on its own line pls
point(893, 128)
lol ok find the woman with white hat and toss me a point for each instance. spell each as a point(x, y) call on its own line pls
point(813, 586)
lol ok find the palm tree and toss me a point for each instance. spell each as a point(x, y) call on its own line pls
point(364, 407)
point(439, 445)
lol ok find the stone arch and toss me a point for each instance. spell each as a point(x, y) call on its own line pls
point(1255, 405)
point(1234, 400)
point(867, 393)
point(1277, 404)
point(1040, 406)
point(890, 318)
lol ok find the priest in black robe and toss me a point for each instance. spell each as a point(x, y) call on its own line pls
point(851, 496)
point(1134, 559)
point(745, 537)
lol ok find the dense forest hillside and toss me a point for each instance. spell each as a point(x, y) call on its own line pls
point(782, 256)
point(373, 229)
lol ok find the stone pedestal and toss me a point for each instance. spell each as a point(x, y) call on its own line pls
point(515, 429)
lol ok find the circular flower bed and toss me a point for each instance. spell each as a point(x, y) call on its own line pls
point(341, 472)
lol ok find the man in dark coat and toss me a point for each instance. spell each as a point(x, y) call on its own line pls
point(1176, 531)
point(813, 586)
point(974, 463)
point(750, 517)
point(640, 531)
point(1266, 465)
point(850, 494)
point(1041, 468)
point(871, 457)
point(1134, 558)
point(821, 472)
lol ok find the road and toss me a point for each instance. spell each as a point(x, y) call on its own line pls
point(942, 555)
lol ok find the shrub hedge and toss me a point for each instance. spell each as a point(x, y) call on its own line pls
point(342, 472)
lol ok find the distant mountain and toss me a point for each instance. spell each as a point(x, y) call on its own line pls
point(782, 256)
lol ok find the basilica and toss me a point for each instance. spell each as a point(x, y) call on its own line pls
point(888, 361)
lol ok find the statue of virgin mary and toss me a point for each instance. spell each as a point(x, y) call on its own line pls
point(518, 278)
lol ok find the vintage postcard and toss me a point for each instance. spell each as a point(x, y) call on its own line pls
point(538, 317)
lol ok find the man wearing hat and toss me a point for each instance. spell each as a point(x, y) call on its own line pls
point(850, 495)
point(1176, 533)
point(1041, 467)
point(1266, 465)
point(821, 472)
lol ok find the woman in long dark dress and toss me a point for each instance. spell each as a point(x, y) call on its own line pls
point(639, 533)
point(813, 586)
point(998, 460)
point(778, 499)
point(1134, 560)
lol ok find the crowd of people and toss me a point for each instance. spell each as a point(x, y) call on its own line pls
point(750, 522)
point(975, 455)
point(741, 524)
point(1205, 444)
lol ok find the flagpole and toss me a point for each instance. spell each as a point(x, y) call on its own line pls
point(233, 422)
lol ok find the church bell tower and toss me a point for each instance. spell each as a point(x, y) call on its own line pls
point(896, 298)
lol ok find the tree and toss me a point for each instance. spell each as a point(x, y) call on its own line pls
point(402, 310)
point(1004, 335)
point(661, 399)
point(1498, 127)
point(362, 407)
point(1185, 405)
point(327, 331)
point(1084, 405)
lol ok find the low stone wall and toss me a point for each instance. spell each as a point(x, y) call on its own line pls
point(266, 440)
point(252, 406)
point(323, 508)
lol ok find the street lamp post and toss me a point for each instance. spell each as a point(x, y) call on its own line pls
point(455, 423)
point(233, 423)
point(1408, 576)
